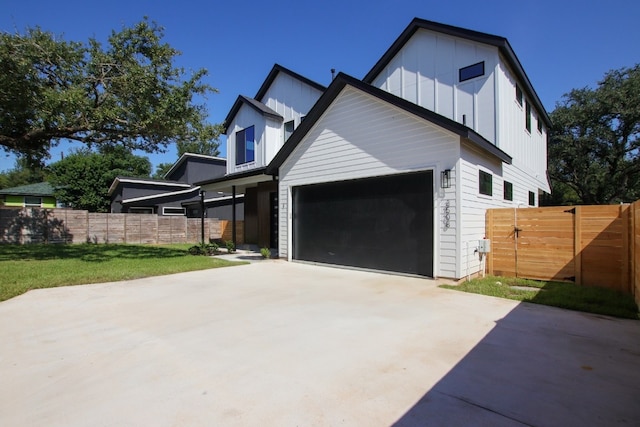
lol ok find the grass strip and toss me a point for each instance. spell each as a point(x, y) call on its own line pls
point(26, 267)
point(570, 296)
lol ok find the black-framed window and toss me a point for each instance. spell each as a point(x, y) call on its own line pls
point(245, 145)
point(485, 183)
point(532, 198)
point(527, 116)
point(472, 71)
point(539, 125)
point(508, 190)
point(288, 130)
point(519, 95)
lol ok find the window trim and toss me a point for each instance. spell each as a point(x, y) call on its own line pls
point(164, 211)
point(481, 191)
point(507, 195)
point(244, 141)
point(469, 68)
point(293, 128)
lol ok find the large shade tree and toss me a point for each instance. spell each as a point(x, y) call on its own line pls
point(127, 92)
point(82, 179)
point(593, 148)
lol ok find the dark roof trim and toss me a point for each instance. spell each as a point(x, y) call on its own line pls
point(256, 105)
point(343, 80)
point(124, 179)
point(186, 156)
point(500, 42)
point(277, 68)
point(238, 175)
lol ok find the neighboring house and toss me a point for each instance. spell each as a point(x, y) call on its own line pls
point(396, 171)
point(256, 129)
point(33, 195)
point(176, 194)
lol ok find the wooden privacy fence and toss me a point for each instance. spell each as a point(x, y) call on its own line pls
point(588, 245)
point(32, 225)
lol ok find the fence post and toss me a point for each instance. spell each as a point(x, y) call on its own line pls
point(577, 245)
point(624, 280)
point(489, 234)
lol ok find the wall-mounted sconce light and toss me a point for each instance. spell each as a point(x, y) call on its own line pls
point(445, 178)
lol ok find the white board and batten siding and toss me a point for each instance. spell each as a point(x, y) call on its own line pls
point(426, 72)
point(528, 149)
point(292, 99)
point(246, 117)
point(360, 136)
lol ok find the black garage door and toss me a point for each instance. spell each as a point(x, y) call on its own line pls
point(383, 223)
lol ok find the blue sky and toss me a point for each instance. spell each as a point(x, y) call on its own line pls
point(562, 44)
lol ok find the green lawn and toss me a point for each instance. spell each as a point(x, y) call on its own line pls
point(564, 295)
point(25, 267)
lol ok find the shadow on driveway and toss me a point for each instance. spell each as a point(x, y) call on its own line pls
point(541, 366)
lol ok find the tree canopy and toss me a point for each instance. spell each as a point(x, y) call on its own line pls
point(594, 142)
point(82, 179)
point(128, 92)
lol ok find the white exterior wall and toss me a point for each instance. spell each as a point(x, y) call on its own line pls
point(360, 136)
point(426, 72)
point(528, 149)
point(245, 118)
point(292, 99)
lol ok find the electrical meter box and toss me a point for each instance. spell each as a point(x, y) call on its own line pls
point(484, 246)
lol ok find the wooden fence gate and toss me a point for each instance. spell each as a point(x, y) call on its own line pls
point(588, 245)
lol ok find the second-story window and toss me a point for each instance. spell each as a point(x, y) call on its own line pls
point(245, 145)
point(472, 71)
point(288, 130)
point(527, 117)
point(519, 95)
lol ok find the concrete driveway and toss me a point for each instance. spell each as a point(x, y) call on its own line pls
point(287, 344)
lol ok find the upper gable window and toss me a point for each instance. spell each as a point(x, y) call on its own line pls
point(519, 95)
point(245, 145)
point(527, 116)
point(472, 71)
point(539, 125)
point(288, 130)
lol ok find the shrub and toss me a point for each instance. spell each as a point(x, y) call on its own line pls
point(231, 247)
point(265, 252)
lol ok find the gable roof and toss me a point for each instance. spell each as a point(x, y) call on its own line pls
point(343, 80)
point(39, 189)
point(277, 68)
point(489, 39)
point(122, 180)
point(256, 105)
point(186, 156)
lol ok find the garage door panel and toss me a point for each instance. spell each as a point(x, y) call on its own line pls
point(383, 223)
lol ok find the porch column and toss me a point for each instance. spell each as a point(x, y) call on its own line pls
point(233, 215)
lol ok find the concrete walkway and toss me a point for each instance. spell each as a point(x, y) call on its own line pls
point(287, 344)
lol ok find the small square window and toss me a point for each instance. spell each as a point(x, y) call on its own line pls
point(508, 190)
point(527, 116)
point(519, 96)
point(532, 198)
point(472, 71)
point(486, 183)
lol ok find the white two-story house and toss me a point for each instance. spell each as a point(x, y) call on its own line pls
point(256, 129)
point(396, 171)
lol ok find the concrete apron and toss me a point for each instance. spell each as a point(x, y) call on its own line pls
point(277, 343)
